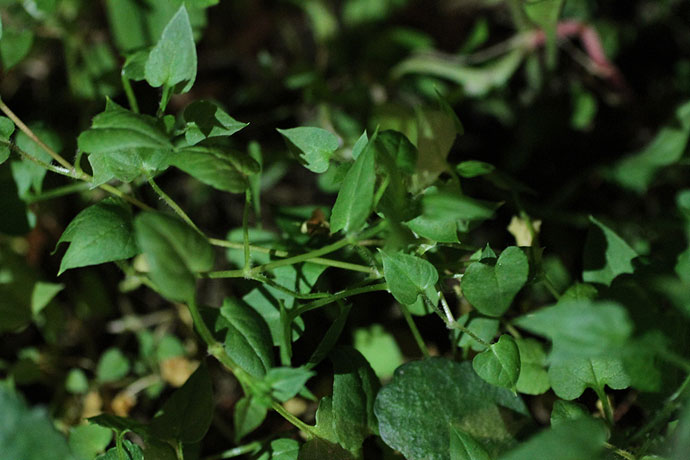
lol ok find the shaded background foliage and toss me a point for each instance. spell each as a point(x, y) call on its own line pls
point(559, 130)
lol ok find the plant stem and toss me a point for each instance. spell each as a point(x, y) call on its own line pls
point(306, 429)
point(446, 308)
point(381, 190)
point(606, 405)
point(245, 229)
point(321, 251)
point(131, 98)
point(415, 332)
point(670, 406)
point(236, 451)
point(26, 130)
point(290, 292)
point(58, 192)
point(620, 452)
point(165, 98)
point(170, 202)
point(548, 284)
point(305, 257)
point(467, 331)
point(333, 297)
point(120, 194)
point(72, 173)
point(178, 451)
point(280, 253)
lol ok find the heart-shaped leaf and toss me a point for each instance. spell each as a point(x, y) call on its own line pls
point(425, 397)
point(407, 276)
point(492, 288)
point(500, 363)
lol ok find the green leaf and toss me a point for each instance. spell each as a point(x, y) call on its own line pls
point(27, 174)
point(87, 441)
point(577, 440)
point(174, 252)
point(464, 447)
point(445, 212)
point(100, 233)
point(42, 294)
point(248, 415)
point(123, 144)
point(350, 409)
point(281, 449)
point(28, 433)
point(569, 378)
point(637, 171)
point(319, 449)
point(127, 25)
point(484, 328)
point(119, 424)
point(398, 149)
point(248, 339)
point(425, 397)
point(492, 288)
point(173, 59)
point(15, 46)
point(205, 119)
point(407, 276)
point(379, 348)
point(545, 13)
point(533, 379)
point(76, 382)
point(330, 338)
point(315, 146)
point(131, 452)
point(286, 382)
point(607, 255)
point(475, 81)
point(474, 168)
point(581, 327)
point(224, 170)
point(356, 197)
point(6, 130)
point(500, 363)
point(186, 415)
point(567, 411)
point(266, 299)
point(112, 366)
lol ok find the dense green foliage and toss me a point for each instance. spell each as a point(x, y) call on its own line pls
point(426, 238)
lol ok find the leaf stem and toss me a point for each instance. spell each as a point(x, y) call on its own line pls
point(281, 253)
point(548, 284)
point(469, 332)
point(308, 430)
point(415, 332)
point(321, 251)
point(446, 308)
point(606, 406)
point(245, 229)
point(170, 202)
point(165, 98)
point(58, 192)
point(131, 98)
point(305, 257)
point(333, 297)
point(26, 130)
point(72, 173)
point(290, 292)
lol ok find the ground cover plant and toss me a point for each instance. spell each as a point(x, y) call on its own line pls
point(342, 230)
